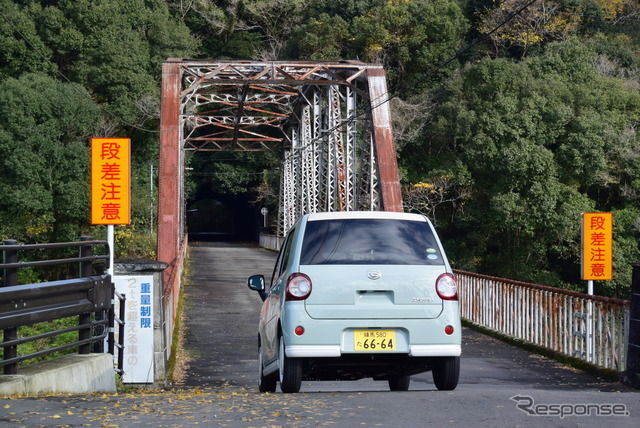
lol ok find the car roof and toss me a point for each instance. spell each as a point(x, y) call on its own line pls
point(339, 215)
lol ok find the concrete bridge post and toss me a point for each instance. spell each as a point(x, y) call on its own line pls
point(632, 375)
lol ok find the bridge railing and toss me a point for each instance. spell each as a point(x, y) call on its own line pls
point(272, 242)
point(27, 304)
point(591, 328)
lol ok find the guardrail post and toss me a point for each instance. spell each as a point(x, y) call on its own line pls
point(10, 279)
point(85, 272)
point(632, 375)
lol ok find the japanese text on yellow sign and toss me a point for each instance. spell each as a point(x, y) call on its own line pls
point(597, 246)
point(110, 180)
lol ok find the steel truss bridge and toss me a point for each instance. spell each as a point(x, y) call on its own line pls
point(331, 121)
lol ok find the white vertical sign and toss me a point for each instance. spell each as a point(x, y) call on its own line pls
point(138, 339)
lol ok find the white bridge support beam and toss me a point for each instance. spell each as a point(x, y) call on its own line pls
point(330, 165)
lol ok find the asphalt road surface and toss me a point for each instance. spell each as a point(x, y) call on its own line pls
point(216, 384)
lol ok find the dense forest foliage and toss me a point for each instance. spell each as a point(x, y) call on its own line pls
point(511, 117)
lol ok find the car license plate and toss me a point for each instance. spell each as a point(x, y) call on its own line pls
point(374, 340)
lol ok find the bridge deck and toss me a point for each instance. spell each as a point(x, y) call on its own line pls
point(221, 317)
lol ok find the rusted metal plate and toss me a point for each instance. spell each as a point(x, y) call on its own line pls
point(383, 138)
point(170, 171)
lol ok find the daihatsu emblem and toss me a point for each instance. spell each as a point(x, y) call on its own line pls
point(374, 274)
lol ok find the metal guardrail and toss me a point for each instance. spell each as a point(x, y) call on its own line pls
point(594, 329)
point(22, 305)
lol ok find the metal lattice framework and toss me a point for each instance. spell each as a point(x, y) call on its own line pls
point(330, 120)
point(327, 163)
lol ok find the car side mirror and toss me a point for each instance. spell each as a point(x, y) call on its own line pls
point(256, 283)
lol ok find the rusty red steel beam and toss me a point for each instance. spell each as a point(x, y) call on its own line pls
point(170, 170)
point(389, 178)
point(214, 146)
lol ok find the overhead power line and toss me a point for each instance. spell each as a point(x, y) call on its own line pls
point(429, 73)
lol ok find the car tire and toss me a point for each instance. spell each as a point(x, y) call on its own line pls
point(290, 370)
point(446, 373)
point(399, 383)
point(265, 383)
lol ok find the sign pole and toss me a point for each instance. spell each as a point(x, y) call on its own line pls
point(590, 322)
point(112, 245)
point(596, 261)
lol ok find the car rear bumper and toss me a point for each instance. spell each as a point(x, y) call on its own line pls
point(327, 351)
point(304, 351)
point(334, 338)
point(435, 351)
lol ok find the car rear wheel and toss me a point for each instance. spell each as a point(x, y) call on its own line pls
point(446, 373)
point(399, 383)
point(290, 371)
point(265, 383)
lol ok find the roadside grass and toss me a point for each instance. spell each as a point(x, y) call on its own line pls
point(43, 344)
point(179, 359)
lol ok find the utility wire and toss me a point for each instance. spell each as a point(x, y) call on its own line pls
point(473, 43)
point(430, 73)
point(360, 116)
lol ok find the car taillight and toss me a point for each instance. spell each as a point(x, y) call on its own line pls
point(298, 287)
point(446, 287)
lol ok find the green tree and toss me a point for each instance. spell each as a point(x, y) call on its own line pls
point(322, 39)
point(227, 172)
point(260, 28)
point(21, 49)
point(113, 47)
point(522, 23)
point(345, 9)
point(44, 167)
point(276, 20)
point(410, 38)
point(220, 26)
point(541, 141)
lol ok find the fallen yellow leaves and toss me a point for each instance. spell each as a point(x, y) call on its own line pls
point(183, 407)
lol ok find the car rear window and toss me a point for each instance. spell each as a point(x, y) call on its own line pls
point(369, 241)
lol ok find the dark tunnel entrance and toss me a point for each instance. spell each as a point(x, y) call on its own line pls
point(218, 217)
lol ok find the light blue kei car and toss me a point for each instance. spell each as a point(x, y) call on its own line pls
point(359, 294)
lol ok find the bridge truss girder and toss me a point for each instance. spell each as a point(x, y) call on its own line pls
point(331, 121)
point(329, 162)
